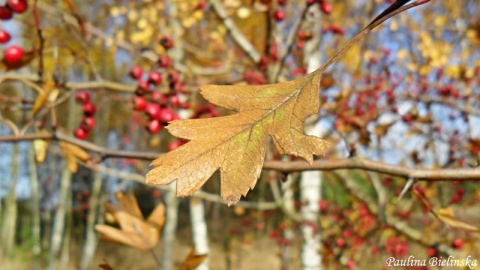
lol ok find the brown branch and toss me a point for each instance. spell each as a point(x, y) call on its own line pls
point(432, 175)
point(41, 40)
point(199, 194)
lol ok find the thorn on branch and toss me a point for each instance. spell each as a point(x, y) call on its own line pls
point(410, 182)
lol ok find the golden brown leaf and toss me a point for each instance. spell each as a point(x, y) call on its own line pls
point(105, 265)
point(134, 230)
point(40, 147)
point(236, 144)
point(72, 152)
point(447, 216)
point(49, 92)
point(193, 260)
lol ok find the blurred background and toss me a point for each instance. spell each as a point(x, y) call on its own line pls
point(87, 87)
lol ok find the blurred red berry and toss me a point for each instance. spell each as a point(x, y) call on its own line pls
point(159, 98)
point(157, 193)
point(154, 77)
point(154, 126)
point(166, 42)
point(5, 13)
point(13, 54)
point(166, 115)
point(18, 6)
point(457, 243)
point(279, 15)
point(173, 77)
point(4, 36)
point(326, 7)
point(201, 5)
point(80, 133)
point(82, 97)
point(142, 88)
point(164, 61)
point(89, 109)
point(135, 72)
point(152, 110)
point(139, 103)
point(174, 145)
point(88, 123)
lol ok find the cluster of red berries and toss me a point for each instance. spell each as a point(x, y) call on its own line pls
point(396, 246)
point(12, 54)
point(89, 110)
point(156, 105)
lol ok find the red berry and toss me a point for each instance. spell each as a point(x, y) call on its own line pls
point(88, 123)
point(5, 13)
point(164, 61)
point(80, 133)
point(13, 54)
point(157, 193)
point(281, 2)
point(135, 72)
point(154, 126)
point(152, 110)
point(154, 77)
point(142, 88)
point(166, 42)
point(457, 243)
point(159, 98)
point(4, 36)
point(18, 6)
point(173, 77)
point(174, 145)
point(139, 103)
point(340, 242)
point(279, 15)
point(174, 101)
point(201, 5)
point(166, 115)
point(82, 97)
point(326, 8)
point(89, 109)
point(432, 252)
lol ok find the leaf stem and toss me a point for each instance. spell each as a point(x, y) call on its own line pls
point(365, 31)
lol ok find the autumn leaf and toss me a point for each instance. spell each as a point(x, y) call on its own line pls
point(193, 260)
point(447, 216)
point(236, 144)
point(41, 146)
point(134, 230)
point(72, 153)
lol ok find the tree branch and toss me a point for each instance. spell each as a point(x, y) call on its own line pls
point(432, 175)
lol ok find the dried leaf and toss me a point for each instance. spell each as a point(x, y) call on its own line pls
point(72, 152)
point(236, 144)
point(105, 265)
point(129, 204)
point(193, 260)
point(157, 217)
point(134, 230)
point(40, 147)
point(69, 157)
point(49, 93)
point(447, 216)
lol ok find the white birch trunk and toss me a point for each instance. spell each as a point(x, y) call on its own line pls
point(311, 181)
point(199, 230)
point(170, 227)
